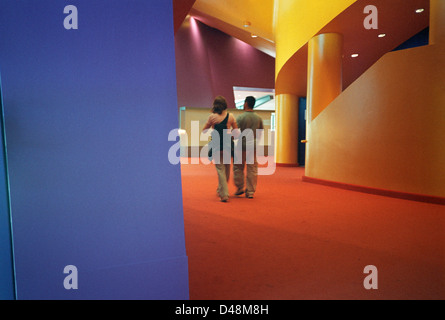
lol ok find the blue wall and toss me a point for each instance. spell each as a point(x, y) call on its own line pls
point(87, 115)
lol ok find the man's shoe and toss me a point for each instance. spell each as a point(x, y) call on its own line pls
point(224, 199)
point(249, 196)
point(239, 192)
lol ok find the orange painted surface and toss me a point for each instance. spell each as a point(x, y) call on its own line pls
point(437, 22)
point(234, 12)
point(397, 18)
point(297, 21)
point(387, 129)
point(324, 72)
point(286, 145)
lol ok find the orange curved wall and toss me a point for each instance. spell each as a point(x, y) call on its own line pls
point(387, 129)
point(297, 21)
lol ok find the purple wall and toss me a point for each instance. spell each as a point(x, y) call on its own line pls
point(87, 117)
point(211, 63)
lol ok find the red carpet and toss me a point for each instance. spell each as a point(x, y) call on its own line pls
point(298, 240)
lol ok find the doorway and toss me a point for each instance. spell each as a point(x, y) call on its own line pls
point(301, 131)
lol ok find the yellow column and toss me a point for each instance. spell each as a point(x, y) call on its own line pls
point(324, 82)
point(324, 72)
point(286, 132)
point(437, 22)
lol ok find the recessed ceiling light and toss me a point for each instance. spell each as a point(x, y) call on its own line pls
point(355, 55)
point(382, 35)
point(254, 35)
point(420, 10)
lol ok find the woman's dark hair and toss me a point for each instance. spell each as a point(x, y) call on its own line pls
point(219, 105)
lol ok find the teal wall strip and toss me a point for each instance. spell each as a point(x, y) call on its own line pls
point(7, 279)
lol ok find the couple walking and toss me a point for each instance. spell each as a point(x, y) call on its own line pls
point(223, 148)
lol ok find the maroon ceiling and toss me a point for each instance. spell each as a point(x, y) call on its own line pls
point(180, 10)
point(396, 18)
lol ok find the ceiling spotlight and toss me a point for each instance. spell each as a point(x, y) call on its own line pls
point(382, 35)
point(355, 55)
point(246, 24)
point(254, 35)
point(420, 10)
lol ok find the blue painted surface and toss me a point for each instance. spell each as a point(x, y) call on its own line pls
point(87, 115)
point(418, 40)
point(7, 283)
point(301, 131)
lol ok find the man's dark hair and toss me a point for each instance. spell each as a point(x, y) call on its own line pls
point(250, 101)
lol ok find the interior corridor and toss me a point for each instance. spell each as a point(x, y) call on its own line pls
point(297, 240)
